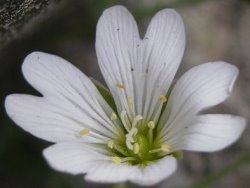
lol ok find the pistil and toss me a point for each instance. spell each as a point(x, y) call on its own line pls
point(130, 136)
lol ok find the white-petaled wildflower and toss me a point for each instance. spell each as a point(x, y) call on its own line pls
point(137, 131)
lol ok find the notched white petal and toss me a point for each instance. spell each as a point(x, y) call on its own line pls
point(116, 39)
point(201, 87)
point(69, 104)
point(164, 44)
point(50, 121)
point(212, 132)
point(204, 85)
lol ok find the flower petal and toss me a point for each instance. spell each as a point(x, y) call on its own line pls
point(79, 158)
point(138, 71)
point(212, 132)
point(70, 103)
point(155, 172)
point(109, 172)
point(52, 120)
point(149, 175)
point(73, 157)
point(116, 40)
point(164, 44)
point(201, 87)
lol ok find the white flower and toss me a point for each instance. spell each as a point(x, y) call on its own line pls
point(138, 136)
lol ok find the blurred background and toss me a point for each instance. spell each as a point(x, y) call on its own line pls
point(215, 29)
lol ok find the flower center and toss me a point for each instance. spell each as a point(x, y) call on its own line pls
point(137, 145)
point(139, 140)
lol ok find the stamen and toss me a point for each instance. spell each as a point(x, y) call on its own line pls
point(177, 154)
point(84, 132)
point(163, 98)
point(130, 102)
point(136, 148)
point(155, 150)
point(127, 159)
point(111, 144)
point(116, 124)
point(151, 125)
point(165, 148)
point(113, 116)
point(122, 150)
point(120, 85)
point(136, 119)
point(116, 160)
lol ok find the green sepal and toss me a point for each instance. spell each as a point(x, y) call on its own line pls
point(105, 94)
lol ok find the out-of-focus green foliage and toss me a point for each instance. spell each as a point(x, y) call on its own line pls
point(230, 168)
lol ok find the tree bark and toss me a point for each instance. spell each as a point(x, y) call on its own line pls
point(15, 14)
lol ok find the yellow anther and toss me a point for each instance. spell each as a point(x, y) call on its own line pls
point(136, 148)
point(113, 116)
point(130, 102)
point(84, 132)
point(163, 98)
point(120, 85)
point(151, 125)
point(165, 148)
point(111, 144)
point(177, 154)
point(116, 160)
